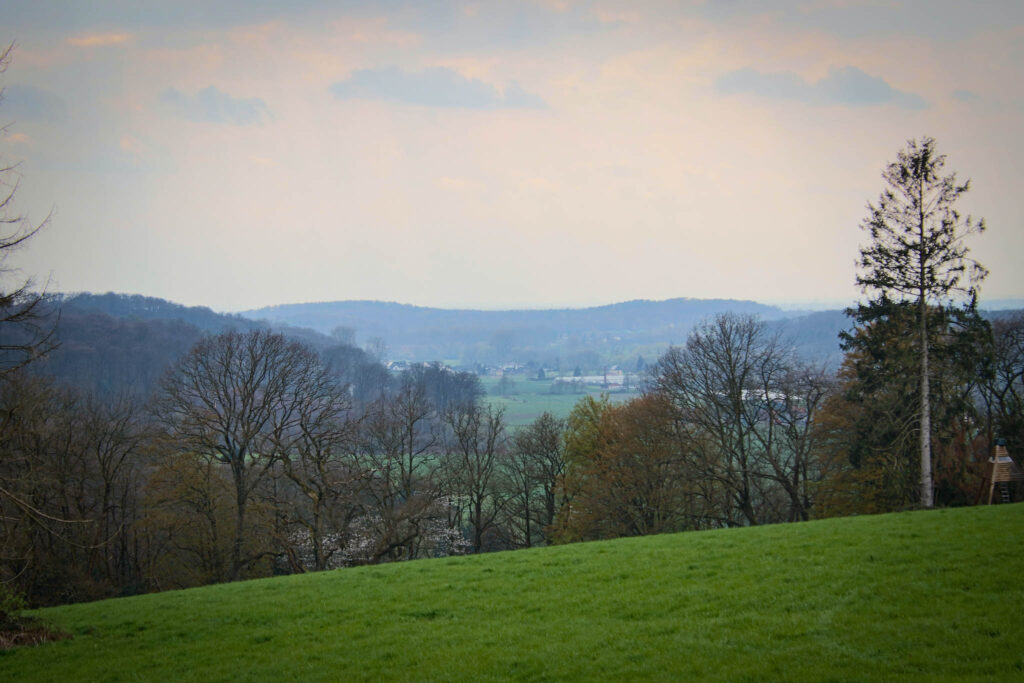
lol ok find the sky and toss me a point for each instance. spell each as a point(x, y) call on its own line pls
point(496, 154)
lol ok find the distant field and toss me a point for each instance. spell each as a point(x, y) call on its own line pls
point(932, 595)
point(533, 397)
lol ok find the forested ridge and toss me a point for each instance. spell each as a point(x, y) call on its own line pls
point(117, 344)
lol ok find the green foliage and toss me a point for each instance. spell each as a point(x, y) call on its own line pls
point(918, 255)
point(583, 429)
point(582, 441)
point(917, 249)
point(625, 475)
point(873, 423)
point(924, 595)
point(12, 604)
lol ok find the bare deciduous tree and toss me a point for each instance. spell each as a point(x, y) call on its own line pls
point(535, 467)
point(396, 451)
point(789, 438)
point(714, 381)
point(475, 449)
point(1003, 390)
point(236, 397)
point(26, 327)
point(746, 411)
point(70, 468)
point(315, 459)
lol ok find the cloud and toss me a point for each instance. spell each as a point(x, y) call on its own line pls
point(846, 85)
point(518, 98)
point(211, 105)
point(18, 139)
point(617, 16)
point(153, 14)
point(100, 39)
point(929, 19)
point(965, 96)
point(25, 102)
point(434, 87)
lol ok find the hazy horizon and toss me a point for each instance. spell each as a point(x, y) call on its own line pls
point(785, 306)
point(794, 306)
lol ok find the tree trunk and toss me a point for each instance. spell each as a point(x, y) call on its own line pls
point(236, 546)
point(478, 521)
point(927, 489)
point(528, 513)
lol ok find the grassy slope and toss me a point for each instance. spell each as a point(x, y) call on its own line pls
point(912, 595)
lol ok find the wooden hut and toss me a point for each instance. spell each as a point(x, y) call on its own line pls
point(1001, 470)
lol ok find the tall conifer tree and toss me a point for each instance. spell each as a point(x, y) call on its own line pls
point(917, 254)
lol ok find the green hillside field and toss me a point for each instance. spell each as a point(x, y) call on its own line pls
point(530, 398)
point(911, 596)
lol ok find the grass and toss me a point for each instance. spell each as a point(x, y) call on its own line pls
point(533, 397)
point(910, 596)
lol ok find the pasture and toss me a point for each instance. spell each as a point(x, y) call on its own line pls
point(531, 397)
point(918, 595)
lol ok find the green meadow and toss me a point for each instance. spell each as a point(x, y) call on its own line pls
point(909, 596)
point(531, 397)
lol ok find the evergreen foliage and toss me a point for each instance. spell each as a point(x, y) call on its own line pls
point(917, 254)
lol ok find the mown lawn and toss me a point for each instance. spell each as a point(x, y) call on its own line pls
point(911, 596)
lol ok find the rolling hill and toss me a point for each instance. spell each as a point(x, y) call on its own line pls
point(590, 337)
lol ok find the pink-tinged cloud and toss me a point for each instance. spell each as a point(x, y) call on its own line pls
point(19, 139)
point(100, 40)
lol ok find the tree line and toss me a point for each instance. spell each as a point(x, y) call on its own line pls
point(256, 458)
point(734, 430)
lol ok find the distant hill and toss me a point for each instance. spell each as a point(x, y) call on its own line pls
point(421, 333)
point(1002, 305)
point(814, 335)
point(122, 343)
point(138, 307)
point(113, 341)
point(563, 338)
point(389, 317)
